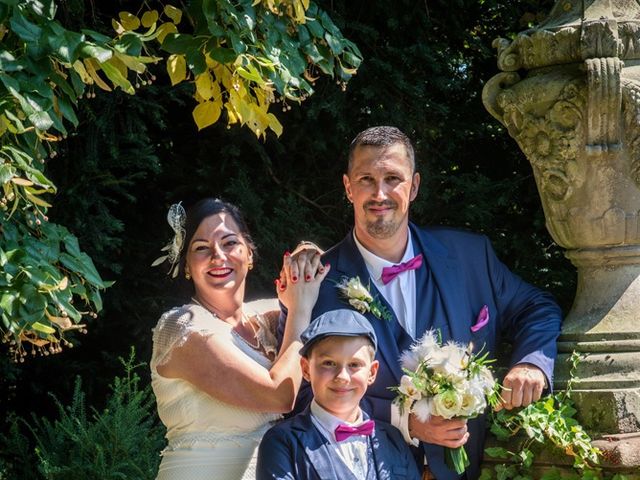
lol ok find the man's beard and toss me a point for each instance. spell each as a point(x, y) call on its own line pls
point(382, 228)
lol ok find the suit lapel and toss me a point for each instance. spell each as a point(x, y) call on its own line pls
point(351, 264)
point(381, 459)
point(315, 446)
point(445, 270)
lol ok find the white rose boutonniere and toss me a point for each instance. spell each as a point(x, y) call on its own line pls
point(361, 299)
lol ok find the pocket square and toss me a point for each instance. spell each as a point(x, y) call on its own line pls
point(482, 320)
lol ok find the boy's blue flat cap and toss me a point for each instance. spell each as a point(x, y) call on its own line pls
point(342, 323)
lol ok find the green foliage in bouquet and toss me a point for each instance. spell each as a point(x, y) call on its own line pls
point(549, 421)
point(123, 440)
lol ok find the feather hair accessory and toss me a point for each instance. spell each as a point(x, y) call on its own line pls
point(176, 217)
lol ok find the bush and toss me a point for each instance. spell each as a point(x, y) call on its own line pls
point(123, 441)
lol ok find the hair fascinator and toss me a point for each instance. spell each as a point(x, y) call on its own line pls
point(176, 218)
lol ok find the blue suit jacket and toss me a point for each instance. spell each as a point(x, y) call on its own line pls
point(468, 276)
point(295, 450)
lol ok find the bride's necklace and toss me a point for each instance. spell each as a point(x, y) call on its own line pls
point(245, 319)
point(254, 333)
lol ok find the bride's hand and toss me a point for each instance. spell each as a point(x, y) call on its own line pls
point(297, 294)
point(305, 266)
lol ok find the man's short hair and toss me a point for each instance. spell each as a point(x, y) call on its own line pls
point(382, 136)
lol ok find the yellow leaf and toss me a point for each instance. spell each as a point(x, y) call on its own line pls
point(173, 13)
point(130, 62)
point(177, 68)
point(92, 66)
point(129, 21)
point(149, 18)
point(164, 30)
point(78, 66)
point(306, 4)
point(119, 64)
point(22, 181)
point(4, 123)
point(41, 327)
point(207, 113)
point(117, 26)
point(274, 124)
point(36, 200)
point(299, 9)
point(231, 113)
point(204, 85)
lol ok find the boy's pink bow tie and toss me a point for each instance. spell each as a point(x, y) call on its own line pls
point(343, 431)
point(389, 273)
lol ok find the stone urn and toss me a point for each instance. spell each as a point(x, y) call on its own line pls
point(569, 94)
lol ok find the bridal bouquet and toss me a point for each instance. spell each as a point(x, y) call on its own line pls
point(446, 380)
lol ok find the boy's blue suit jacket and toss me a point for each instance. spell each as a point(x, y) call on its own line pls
point(295, 450)
point(468, 275)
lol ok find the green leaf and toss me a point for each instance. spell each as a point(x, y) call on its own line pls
point(196, 60)
point(116, 77)
point(222, 55)
point(179, 43)
point(44, 8)
point(8, 62)
point(7, 172)
point(101, 54)
point(27, 31)
point(83, 266)
point(67, 110)
point(40, 327)
point(64, 45)
point(130, 44)
point(497, 452)
point(98, 37)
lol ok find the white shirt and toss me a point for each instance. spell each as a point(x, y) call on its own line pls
point(400, 293)
point(353, 450)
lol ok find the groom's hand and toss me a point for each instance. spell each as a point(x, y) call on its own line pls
point(523, 385)
point(439, 431)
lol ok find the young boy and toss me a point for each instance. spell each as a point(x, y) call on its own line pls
point(333, 438)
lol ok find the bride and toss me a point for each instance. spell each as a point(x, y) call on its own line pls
point(217, 374)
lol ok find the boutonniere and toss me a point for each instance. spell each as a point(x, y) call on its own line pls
point(360, 298)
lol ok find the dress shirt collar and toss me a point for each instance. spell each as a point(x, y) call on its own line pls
point(329, 422)
point(375, 264)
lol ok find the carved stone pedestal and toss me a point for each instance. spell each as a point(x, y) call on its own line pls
point(576, 116)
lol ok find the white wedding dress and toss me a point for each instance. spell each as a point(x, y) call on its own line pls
point(207, 439)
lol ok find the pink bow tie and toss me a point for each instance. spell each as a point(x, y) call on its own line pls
point(389, 273)
point(343, 431)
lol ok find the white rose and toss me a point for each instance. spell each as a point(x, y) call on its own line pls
point(408, 388)
point(355, 289)
point(472, 403)
point(447, 404)
point(361, 306)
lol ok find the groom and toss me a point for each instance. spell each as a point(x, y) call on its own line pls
point(437, 278)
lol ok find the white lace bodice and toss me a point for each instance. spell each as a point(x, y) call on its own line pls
point(190, 415)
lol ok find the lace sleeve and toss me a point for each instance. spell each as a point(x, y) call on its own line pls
point(267, 313)
point(175, 326)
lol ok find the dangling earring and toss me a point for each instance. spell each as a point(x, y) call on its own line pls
point(187, 275)
point(250, 265)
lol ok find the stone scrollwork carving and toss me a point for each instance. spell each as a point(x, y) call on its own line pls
point(548, 130)
point(631, 98)
point(604, 104)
